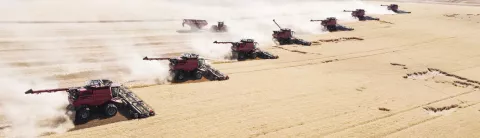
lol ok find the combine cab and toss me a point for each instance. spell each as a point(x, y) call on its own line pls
point(360, 15)
point(394, 8)
point(247, 48)
point(190, 65)
point(331, 25)
point(285, 37)
point(101, 94)
point(197, 26)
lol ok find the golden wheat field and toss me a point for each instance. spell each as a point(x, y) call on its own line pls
point(408, 75)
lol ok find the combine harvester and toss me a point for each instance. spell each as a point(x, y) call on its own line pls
point(360, 15)
point(247, 48)
point(104, 95)
point(190, 65)
point(285, 37)
point(197, 25)
point(330, 24)
point(394, 8)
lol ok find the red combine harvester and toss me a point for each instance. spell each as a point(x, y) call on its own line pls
point(220, 27)
point(394, 8)
point(197, 26)
point(360, 14)
point(191, 65)
point(331, 25)
point(104, 95)
point(247, 48)
point(285, 37)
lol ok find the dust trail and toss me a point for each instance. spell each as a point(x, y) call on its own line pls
point(138, 71)
point(50, 51)
point(246, 19)
point(30, 115)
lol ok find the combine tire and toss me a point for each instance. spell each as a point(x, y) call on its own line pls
point(110, 110)
point(83, 114)
point(241, 56)
point(180, 76)
point(253, 55)
point(198, 75)
point(332, 28)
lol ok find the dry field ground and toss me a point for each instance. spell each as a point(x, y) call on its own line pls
point(417, 77)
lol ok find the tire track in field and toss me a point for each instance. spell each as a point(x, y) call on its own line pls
point(421, 122)
point(393, 114)
point(315, 60)
point(355, 58)
point(382, 51)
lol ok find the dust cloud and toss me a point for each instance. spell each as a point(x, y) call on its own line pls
point(30, 115)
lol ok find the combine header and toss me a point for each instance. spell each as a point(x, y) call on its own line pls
point(191, 65)
point(285, 37)
point(247, 48)
point(197, 26)
point(101, 94)
point(360, 15)
point(394, 8)
point(331, 25)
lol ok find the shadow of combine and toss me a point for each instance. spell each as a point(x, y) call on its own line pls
point(101, 119)
point(210, 74)
point(191, 79)
point(402, 12)
point(344, 28)
point(368, 18)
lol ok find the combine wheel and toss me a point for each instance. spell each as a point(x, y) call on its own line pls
point(241, 56)
point(83, 114)
point(332, 28)
point(253, 55)
point(198, 75)
point(110, 110)
point(180, 75)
